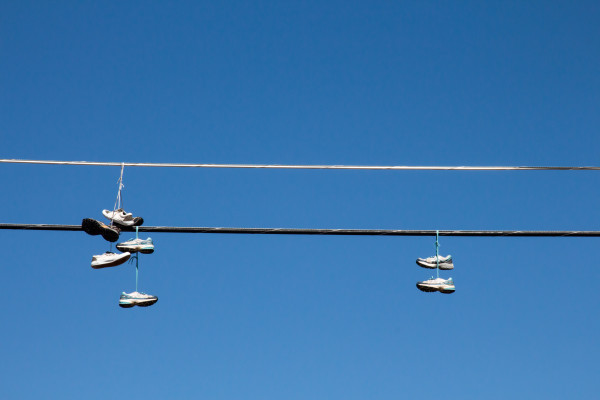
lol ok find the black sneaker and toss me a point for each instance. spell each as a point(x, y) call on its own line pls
point(93, 227)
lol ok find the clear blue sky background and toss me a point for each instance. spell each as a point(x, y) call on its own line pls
point(337, 82)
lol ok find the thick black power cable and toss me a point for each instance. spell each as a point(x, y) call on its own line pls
point(295, 231)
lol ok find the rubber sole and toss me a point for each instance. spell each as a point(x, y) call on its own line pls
point(426, 288)
point(93, 227)
point(134, 250)
point(429, 289)
point(145, 304)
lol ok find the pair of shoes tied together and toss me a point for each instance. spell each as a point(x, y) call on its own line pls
point(111, 233)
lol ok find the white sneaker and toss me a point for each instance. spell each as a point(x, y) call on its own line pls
point(430, 262)
point(135, 245)
point(437, 285)
point(109, 259)
point(129, 300)
point(120, 217)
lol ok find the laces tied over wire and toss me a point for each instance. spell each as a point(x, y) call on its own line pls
point(118, 201)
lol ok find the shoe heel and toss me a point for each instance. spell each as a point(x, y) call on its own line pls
point(110, 234)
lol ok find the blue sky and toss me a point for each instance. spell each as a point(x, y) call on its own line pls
point(292, 317)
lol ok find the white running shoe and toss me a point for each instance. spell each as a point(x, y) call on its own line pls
point(109, 259)
point(120, 217)
point(430, 262)
point(129, 300)
point(135, 245)
point(437, 285)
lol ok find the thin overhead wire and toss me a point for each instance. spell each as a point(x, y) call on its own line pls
point(296, 231)
point(275, 166)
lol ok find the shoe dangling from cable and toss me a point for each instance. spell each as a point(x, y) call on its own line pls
point(431, 262)
point(437, 285)
point(93, 227)
point(145, 246)
point(128, 300)
point(109, 259)
point(122, 218)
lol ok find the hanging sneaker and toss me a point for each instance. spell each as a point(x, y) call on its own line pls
point(109, 259)
point(445, 262)
point(93, 227)
point(437, 285)
point(135, 245)
point(122, 218)
point(129, 300)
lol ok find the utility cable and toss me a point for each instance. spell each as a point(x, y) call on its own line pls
point(275, 166)
point(300, 231)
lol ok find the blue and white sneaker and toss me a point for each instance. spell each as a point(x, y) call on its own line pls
point(129, 300)
point(135, 245)
point(431, 262)
point(437, 285)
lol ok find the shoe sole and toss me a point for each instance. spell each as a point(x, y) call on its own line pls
point(93, 227)
point(147, 303)
point(443, 266)
point(112, 264)
point(144, 304)
point(429, 289)
point(135, 250)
